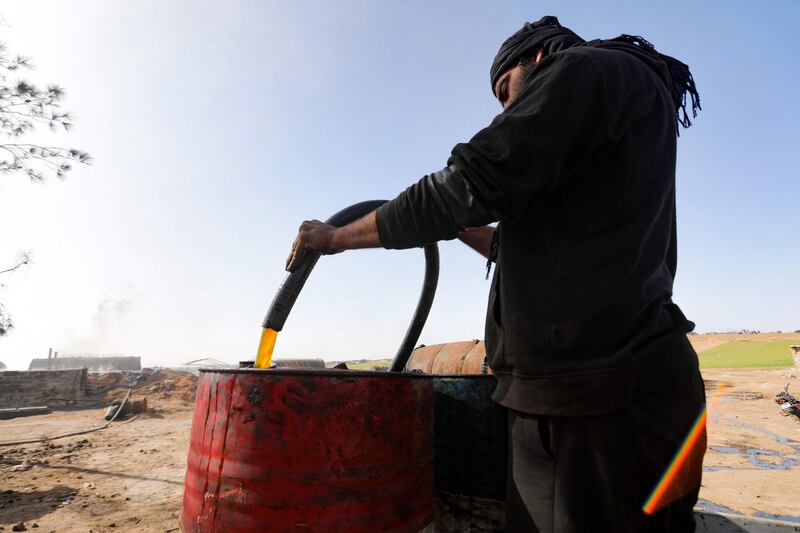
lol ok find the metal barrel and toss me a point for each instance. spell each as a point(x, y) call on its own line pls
point(466, 357)
point(310, 450)
point(471, 450)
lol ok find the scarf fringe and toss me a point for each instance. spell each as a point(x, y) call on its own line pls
point(682, 80)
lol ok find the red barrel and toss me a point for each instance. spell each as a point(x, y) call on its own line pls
point(310, 450)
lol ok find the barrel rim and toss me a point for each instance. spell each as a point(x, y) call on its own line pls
point(464, 376)
point(340, 373)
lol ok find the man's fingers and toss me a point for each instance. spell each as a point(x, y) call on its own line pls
point(294, 259)
point(297, 246)
point(314, 236)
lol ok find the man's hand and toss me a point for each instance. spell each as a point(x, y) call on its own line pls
point(314, 236)
point(479, 239)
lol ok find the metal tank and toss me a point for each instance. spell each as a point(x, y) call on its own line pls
point(310, 450)
point(471, 449)
point(470, 438)
point(470, 454)
point(466, 357)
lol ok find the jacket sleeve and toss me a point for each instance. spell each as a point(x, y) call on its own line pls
point(556, 122)
point(435, 208)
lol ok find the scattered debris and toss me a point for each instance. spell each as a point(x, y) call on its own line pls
point(789, 404)
point(16, 412)
point(131, 407)
point(22, 467)
point(166, 385)
point(744, 395)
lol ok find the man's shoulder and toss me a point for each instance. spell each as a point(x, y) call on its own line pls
point(567, 66)
point(613, 67)
point(602, 59)
point(588, 62)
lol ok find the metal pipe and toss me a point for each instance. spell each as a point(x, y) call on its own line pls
point(293, 283)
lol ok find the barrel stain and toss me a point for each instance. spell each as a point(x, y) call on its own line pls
point(276, 418)
point(297, 391)
point(297, 405)
point(255, 396)
point(341, 381)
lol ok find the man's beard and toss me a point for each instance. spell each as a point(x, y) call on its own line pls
point(528, 66)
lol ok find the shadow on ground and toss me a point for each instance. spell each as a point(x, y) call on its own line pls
point(82, 470)
point(25, 506)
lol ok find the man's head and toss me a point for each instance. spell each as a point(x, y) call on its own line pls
point(507, 87)
point(536, 40)
point(520, 52)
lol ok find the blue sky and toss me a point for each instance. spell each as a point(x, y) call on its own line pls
point(217, 127)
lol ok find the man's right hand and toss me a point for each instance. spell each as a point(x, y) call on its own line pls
point(314, 236)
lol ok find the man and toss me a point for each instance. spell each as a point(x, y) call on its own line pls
point(589, 350)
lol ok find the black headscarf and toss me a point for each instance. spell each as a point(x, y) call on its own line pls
point(549, 35)
point(546, 33)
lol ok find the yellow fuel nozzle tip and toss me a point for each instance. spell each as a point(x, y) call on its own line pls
point(265, 348)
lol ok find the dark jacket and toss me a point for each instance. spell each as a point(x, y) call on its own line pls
point(580, 173)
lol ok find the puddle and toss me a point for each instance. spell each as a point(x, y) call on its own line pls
point(754, 457)
point(711, 507)
point(759, 451)
point(725, 449)
point(717, 468)
point(770, 516)
point(785, 464)
point(774, 436)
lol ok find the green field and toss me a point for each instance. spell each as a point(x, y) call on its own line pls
point(734, 354)
point(748, 354)
point(369, 365)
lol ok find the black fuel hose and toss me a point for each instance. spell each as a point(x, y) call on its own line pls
point(293, 283)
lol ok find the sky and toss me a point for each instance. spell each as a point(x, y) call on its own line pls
point(217, 127)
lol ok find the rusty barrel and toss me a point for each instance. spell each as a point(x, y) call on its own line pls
point(466, 357)
point(310, 450)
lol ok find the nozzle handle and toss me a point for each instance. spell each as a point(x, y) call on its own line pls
point(293, 283)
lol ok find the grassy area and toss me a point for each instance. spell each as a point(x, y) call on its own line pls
point(748, 354)
point(369, 365)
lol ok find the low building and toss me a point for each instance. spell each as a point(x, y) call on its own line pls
point(93, 363)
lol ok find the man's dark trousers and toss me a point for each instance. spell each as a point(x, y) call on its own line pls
point(594, 473)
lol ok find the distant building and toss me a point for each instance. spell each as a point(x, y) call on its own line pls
point(94, 363)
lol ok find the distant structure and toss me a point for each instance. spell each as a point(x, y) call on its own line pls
point(206, 362)
point(54, 388)
point(299, 363)
point(795, 348)
point(195, 365)
point(92, 362)
point(2, 366)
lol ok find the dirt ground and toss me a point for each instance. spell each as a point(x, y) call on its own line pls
point(752, 465)
point(129, 477)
